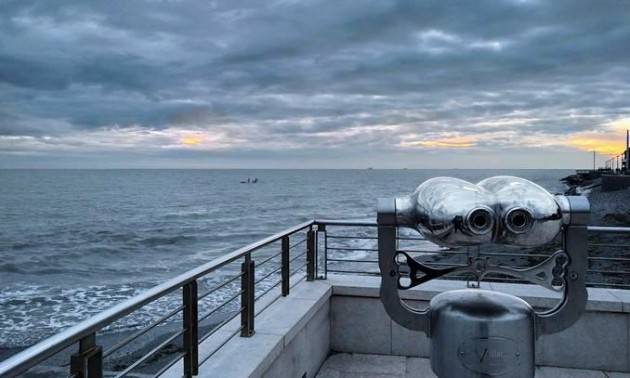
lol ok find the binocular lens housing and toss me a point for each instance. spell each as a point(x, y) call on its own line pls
point(518, 220)
point(480, 221)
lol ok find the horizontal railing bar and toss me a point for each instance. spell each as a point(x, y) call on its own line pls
point(481, 253)
point(218, 326)
point(608, 229)
point(352, 237)
point(298, 269)
point(606, 284)
point(268, 259)
point(360, 237)
point(268, 304)
point(141, 332)
point(267, 290)
point(297, 243)
point(267, 275)
point(434, 263)
point(452, 276)
point(353, 272)
point(350, 260)
point(508, 254)
point(214, 310)
point(352, 249)
point(29, 357)
point(220, 286)
point(601, 271)
point(609, 245)
point(445, 252)
point(279, 296)
point(221, 345)
point(150, 353)
point(168, 365)
point(297, 257)
point(604, 258)
point(339, 222)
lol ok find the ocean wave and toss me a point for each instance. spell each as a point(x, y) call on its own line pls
point(191, 214)
point(11, 268)
point(32, 313)
point(155, 241)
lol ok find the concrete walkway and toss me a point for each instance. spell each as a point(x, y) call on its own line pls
point(345, 365)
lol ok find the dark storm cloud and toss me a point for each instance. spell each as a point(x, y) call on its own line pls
point(289, 74)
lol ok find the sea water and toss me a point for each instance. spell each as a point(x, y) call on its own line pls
point(74, 242)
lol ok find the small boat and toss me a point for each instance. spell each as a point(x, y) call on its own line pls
point(250, 181)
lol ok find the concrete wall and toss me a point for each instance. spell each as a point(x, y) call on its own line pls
point(599, 340)
point(295, 334)
point(306, 352)
point(292, 338)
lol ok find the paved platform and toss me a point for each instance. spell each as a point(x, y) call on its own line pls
point(346, 365)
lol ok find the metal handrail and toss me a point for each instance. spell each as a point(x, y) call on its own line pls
point(345, 244)
point(359, 223)
point(342, 222)
point(608, 229)
point(37, 353)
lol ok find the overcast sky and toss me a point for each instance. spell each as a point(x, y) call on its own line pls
point(312, 84)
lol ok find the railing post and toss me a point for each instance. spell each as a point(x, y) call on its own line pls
point(191, 355)
point(321, 228)
point(310, 255)
point(247, 296)
point(285, 266)
point(88, 362)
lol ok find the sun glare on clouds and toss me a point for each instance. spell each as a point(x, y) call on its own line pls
point(192, 139)
point(445, 143)
point(609, 141)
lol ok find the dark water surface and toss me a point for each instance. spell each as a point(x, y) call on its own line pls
point(73, 242)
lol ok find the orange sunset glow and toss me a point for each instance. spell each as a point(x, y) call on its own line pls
point(192, 139)
point(454, 142)
point(611, 141)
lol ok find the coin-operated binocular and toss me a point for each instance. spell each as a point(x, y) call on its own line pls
point(474, 332)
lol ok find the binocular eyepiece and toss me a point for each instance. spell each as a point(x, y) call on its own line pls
point(480, 220)
point(500, 209)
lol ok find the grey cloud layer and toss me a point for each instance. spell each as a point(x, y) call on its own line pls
point(284, 74)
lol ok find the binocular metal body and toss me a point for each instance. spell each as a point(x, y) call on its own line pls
point(501, 209)
point(474, 332)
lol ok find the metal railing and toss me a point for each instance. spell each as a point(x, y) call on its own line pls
point(89, 359)
point(350, 249)
point(617, 163)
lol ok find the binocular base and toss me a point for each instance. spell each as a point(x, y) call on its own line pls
point(480, 333)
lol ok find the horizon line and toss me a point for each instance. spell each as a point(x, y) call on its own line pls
point(283, 169)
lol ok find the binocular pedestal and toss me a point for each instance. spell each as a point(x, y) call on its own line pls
point(479, 333)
